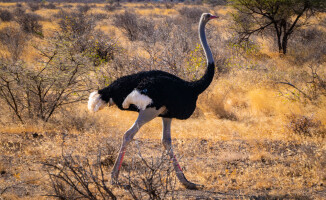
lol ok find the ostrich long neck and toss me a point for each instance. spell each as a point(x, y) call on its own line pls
point(201, 84)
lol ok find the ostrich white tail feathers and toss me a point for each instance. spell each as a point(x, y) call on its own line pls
point(95, 103)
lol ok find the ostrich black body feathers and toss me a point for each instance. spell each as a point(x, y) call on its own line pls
point(165, 89)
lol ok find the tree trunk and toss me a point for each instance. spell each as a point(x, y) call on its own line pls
point(278, 35)
point(285, 43)
point(279, 43)
point(282, 36)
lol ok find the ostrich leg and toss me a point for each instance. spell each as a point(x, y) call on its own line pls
point(143, 117)
point(166, 140)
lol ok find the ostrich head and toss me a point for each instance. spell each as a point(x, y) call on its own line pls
point(205, 17)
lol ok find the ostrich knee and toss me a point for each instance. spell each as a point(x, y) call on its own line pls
point(129, 135)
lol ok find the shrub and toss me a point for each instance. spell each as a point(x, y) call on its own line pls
point(29, 22)
point(99, 16)
point(305, 126)
point(193, 2)
point(134, 27)
point(305, 42)
point(216, 2)
point(101, 48)
point(169, 5)
point(38, 92)
point(75, 178)
point(6, 15)
point(146, 29)
point(68, 6)
point(75, 23)
point(34, 6)
point(19, 11)
point(79, 29)
point(128, 22)
point(14, 39)
point(192, 13)
point(49, 5)
point(151, 178)
point(83, 8)
point(111, 6)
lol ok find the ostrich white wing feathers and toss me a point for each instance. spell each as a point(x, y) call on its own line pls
point(138, 99)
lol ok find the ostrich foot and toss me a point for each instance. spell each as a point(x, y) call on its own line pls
point(114, 181)
point(192, 186)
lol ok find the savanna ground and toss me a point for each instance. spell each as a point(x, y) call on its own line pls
point(258, 132)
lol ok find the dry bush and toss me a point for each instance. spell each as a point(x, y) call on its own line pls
point(50, 5)
point(75, 23)
point(83, 8)
point(75, 178)
point(150, 178)
point(19, 5)
point(64, 75)
point(216, 2)
point(127, 21)
point(6, 15)
point(94, 44)
point(29, 22)
point(34, 6)
point(67, 6)
point(160, 39)
point(309, 83)
point(305, 43)
point(305, 126)
point(37, 92)
point(104, 48)
point(193, 2)
point(146, 29)
point(192, 13)
point(19, 10)
point(14, 40)
point(169, 5)
point(146, 6)
point(111, 7)
point(99, 16)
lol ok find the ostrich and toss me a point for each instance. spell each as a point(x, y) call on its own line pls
point(156, 94)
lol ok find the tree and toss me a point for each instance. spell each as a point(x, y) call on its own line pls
point(282, 17)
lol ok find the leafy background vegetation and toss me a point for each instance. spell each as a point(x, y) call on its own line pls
point(258, 131)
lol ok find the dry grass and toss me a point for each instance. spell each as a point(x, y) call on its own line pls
point(238, 143)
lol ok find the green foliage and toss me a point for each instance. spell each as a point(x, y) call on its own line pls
point(280, 16)
point(195, 62)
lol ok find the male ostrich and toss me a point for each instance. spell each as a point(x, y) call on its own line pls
point(152, 94)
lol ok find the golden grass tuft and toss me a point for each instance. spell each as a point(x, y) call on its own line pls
point(47, 13)
point(268, 102)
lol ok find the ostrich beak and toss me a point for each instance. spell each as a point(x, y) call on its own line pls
point(213, 17)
